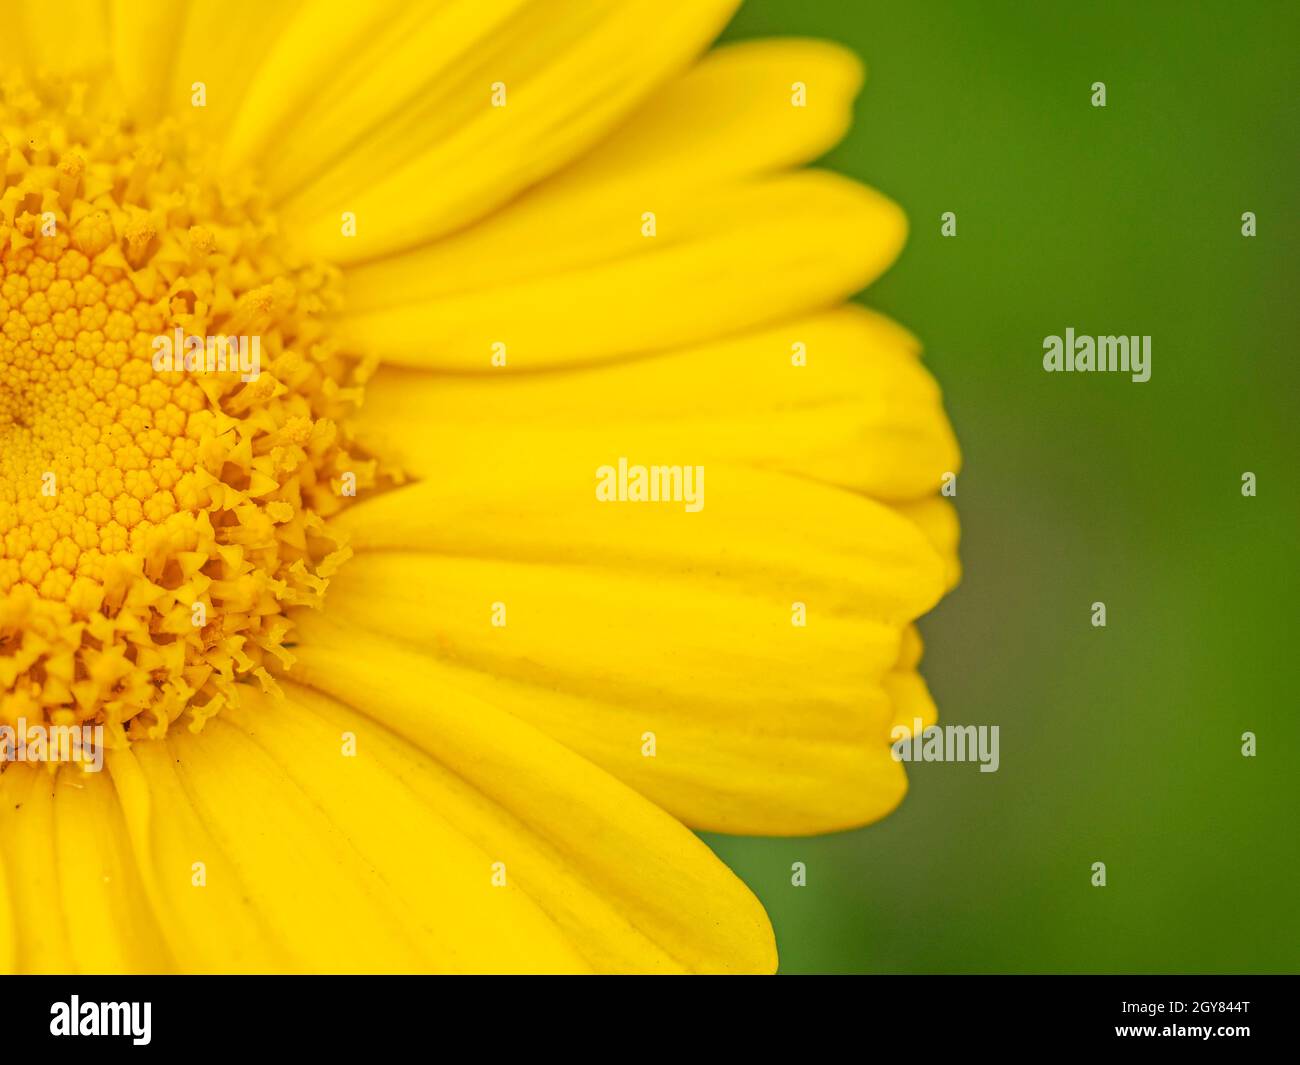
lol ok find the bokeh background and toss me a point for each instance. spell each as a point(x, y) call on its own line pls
point(1120, 744)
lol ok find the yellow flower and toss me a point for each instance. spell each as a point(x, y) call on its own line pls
point(387, 681)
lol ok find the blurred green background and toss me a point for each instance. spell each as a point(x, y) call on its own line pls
point(1120, 744)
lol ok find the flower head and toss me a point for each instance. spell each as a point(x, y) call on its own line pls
point(325, 328)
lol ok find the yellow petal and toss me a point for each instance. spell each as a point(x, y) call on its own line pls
point(576, 833)
point(712, 703)
point(418, 825)
point(839, 397)
point(415, 147)
point(214, 928)
point(727, 118)
point(308, 873)
point(38, 919)
point(937, 519)
point(722, 261)
point(59, 36)
point(8, 933)
point(781, 535)
point(338, 72)
point(222, 44)
point(768, 726)
point(912, 702)
point(111, 927)
point(142, 39)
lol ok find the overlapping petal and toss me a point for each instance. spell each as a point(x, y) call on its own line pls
point(433, 791)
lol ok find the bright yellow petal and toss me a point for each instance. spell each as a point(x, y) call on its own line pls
point(419, 159)
point(726, 119)
point(729, 116)
point(911, 700)
point(59, 36)
point(766, 727)
point(215, 928)
point(628, 619)
point(755, 725)
point(142, 39)
point(8, 931)
point(111, 927)
point(309, 868)
point(669, 903)
point(338, 69)
point(222, 44)
point(40, 925)
point(419, 826)
point(252, 888)
point(722, 261)
point(839, 397)
point(75, 902)
point(782, 535)
point(936, 517)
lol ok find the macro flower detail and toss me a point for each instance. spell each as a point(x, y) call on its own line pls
point(132, 497)
point(385, 683)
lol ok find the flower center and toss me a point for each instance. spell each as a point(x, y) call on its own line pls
point(157, 516)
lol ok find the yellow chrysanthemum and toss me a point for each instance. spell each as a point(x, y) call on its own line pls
point(385, 686)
